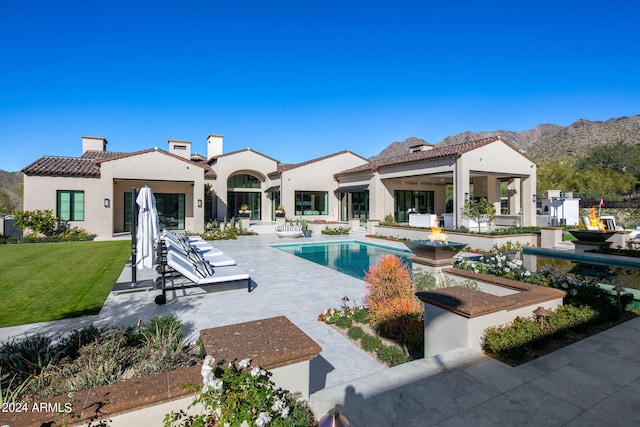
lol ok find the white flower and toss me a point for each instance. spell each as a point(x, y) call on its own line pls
point(209, 360)
point(255, 371)
point(244, 363)
point(277, 405)
point(285, 412)
point(507, 269)
point(206, 371)
point(263, 419)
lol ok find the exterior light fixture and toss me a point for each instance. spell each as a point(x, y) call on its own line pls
point(107, 203)
point(533, 198)
point(466, 197)
point(199, 203)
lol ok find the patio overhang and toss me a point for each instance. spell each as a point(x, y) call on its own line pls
point(272, 189)
point(352, 189)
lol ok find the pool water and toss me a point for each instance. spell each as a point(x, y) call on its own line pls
point(349, 257)
point(605, 273)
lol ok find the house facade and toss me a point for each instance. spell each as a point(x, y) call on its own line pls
point(93, 191)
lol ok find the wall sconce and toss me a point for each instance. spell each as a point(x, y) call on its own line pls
point(107, 203)
point(466, 197)
point(199, 203)
point(534, 198)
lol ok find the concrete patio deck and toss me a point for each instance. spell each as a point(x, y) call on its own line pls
point(594, 382)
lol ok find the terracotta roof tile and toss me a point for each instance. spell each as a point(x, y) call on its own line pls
point(283, 167)
point(418, 156)
point(65, 166)
point(98, 154)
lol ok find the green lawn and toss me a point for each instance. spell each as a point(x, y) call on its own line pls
point(51, 281)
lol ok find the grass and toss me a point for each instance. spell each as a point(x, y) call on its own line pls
point(52, 281)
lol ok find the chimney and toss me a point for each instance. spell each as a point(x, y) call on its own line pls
point(93, 143)
point(180, 148)
point(214, 146)
point(420, 147)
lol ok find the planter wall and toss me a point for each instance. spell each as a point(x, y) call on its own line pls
point(473, 240)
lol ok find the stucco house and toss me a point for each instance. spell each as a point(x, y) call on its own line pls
point(93, 191)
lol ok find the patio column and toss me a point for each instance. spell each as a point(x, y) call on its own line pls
point(460, 193)
point(515, 194)
point(528, 204)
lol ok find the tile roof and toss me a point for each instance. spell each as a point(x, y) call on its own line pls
point(97, 154)
point(65, 166)
point(89, 163)
point(283, 167)
point(418, 156)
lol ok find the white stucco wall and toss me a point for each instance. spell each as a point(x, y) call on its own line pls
point(317, 176)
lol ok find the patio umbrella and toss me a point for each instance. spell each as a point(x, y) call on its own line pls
point(147, 234)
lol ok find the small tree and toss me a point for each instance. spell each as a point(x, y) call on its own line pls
point(38, 221)
point(6, 204)
point(480, 211)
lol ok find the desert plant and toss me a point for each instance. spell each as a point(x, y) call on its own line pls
point(394, 310)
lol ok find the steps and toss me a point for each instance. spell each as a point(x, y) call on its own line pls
point(263, 228)
point(358, 232)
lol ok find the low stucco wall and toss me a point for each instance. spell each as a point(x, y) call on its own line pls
point(478, 241)
point(457, 316)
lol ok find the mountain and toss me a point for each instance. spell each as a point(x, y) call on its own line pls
point(396, 148)
point(545, 141)
point(11, 184)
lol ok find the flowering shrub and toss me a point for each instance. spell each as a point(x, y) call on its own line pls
point(241, 393)
point(331, 315)
point(496, 265)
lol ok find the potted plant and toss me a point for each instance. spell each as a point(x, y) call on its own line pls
point(305, 230)
point(244, 211)
point(280, 211)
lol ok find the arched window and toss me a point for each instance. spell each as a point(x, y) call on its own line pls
point(243, 181)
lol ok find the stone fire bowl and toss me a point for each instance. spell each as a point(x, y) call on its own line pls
point(595, 236)
point(434, 250)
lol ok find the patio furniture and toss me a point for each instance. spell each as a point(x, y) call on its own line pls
point(289, 231)
point(198, 274)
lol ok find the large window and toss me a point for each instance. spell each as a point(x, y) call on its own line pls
point(355, 205)
point(171, 211)
point(412, 201)
point(70, 205)
point(312, 203)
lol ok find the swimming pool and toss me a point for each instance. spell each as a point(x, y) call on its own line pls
point(608, 271)
point(349, 256)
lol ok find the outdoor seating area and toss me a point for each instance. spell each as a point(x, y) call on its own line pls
point(192, 262)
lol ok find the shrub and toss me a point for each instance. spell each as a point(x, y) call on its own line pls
point(335, 231)
point(344, 322)
point(386, 281)
point(515, 340)
point(355, 332)
point(370, 342)
point(38, 221)
point(424, 281)
point(360, 315)
point(239, 394)
point(392, 355)
point(394, 310)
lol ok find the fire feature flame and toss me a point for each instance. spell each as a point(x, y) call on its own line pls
point(437, 235)
point(594, 220)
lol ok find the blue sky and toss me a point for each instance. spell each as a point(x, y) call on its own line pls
point(298, 80)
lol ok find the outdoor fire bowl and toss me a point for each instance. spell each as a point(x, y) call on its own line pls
point(434, 250)
point(592, 236)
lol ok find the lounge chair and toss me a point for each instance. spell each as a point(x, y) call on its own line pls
point(199, 274)
point(201, 245)
point(289, 231)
